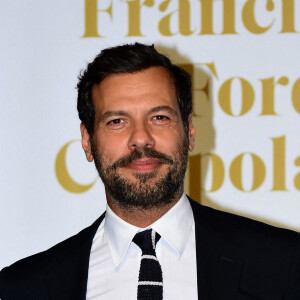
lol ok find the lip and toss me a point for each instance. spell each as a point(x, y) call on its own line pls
point(144, 165)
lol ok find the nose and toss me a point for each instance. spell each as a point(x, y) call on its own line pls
point(140, 137)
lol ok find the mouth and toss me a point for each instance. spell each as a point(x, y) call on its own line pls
point(144, 165)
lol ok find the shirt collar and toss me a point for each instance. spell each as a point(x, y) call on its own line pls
point(174, 227)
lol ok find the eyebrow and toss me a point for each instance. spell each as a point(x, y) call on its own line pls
point(164, 108)
point(113, 113)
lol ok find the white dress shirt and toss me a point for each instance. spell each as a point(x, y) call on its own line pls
point(115, 260)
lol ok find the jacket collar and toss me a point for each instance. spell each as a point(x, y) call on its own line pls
point(68, 274)
point(219, 260)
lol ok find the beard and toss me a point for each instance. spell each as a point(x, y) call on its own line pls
point(150, 190)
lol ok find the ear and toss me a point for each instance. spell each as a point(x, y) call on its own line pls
point(192, 133)
point(85, 142)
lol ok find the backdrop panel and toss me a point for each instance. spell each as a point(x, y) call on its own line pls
point(244, 59)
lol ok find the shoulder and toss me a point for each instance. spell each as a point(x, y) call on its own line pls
point(31, 271)
point(222, 222)
point(257, 239)
point(269, 254)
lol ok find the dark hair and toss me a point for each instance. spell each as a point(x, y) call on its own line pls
point(129, 58)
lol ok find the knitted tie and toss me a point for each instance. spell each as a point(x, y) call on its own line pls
point(150, 285)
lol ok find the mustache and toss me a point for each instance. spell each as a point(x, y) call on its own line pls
point(138, 154)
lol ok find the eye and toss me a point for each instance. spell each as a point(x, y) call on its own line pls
point(115, 122)
point(161, 119)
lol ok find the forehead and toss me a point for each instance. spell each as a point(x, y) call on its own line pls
point(147, 88)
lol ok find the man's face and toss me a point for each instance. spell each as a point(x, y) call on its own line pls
point(139, 144)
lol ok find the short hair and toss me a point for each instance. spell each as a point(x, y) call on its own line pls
point(129, 58)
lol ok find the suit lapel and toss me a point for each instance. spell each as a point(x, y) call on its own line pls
point(68, 276)
point(219, 260)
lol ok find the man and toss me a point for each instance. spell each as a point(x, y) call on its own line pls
point(136, 113)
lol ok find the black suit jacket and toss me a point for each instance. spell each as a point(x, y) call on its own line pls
point(237, 258)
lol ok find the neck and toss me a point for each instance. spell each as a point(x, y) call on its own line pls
point(140, 217)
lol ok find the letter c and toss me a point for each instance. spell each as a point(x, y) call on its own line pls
point(63, 176)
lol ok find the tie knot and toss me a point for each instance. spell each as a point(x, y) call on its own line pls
point(146, 240)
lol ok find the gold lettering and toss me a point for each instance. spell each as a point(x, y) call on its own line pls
point(268, 87)
point(134, 16)
point(225, 96)
point(212, 68)
point(218, 172)
point(297, 177)
point(188, 68)
point(259, 172)
point(228, 17)
point(296, 95)
point(184, 18)
point(63, 176)
point(192, 182)
point(248, 16)
point(279, 164)
point(204, 91)
point(207, 17)
point(288, 12)
point(197, 166)
point(91, 17)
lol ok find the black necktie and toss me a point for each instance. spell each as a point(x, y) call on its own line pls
point(150, 285)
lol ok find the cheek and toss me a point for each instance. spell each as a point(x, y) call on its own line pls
point(111, 148)
point(170, 139)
